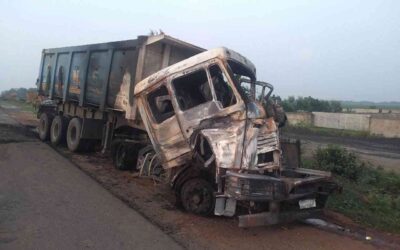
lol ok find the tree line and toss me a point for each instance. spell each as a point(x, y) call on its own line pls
point(309, 104)
point(28, 95)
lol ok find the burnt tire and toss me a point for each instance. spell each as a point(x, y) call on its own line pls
point(124, 155)
point(45, 121)
point(197, 196)
point(74, 141)
point(58, 130)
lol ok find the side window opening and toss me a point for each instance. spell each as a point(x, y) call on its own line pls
point(222, 88)
point(160, 104)
point(192, 89)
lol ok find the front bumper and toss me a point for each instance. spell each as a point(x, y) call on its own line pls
point(282, 195)
point(292, 184)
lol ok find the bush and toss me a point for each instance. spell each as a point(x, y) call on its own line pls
point(371, 196)
point(339, 161)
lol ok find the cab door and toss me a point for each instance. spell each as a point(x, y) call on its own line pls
point(161, 122)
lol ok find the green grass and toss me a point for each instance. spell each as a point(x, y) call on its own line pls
point(371, 196)
point(305, 128)
point(20, 104)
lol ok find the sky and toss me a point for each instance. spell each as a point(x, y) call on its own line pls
point(336, 50)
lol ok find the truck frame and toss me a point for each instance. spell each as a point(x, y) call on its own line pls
point(198, 120)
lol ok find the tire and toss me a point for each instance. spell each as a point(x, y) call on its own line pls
point(58, 130)
point(74, 141)
point(124, 155)
point(197, 196)
point(44, 126)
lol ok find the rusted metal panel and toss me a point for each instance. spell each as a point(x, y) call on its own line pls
point(96, 77)
point(122, 76)
point(60, 77)
point(45, 78)
point(76, 75)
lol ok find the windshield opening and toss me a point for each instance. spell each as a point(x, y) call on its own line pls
point(252, 89)
point(243, 77)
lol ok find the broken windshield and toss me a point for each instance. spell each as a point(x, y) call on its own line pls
point(254, 90)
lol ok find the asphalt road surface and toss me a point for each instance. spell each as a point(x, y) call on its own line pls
point(48, 203)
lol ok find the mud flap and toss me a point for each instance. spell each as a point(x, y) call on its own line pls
point(225, 206)
point(272, 218)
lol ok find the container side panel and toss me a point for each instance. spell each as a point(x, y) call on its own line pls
point(179, 54)
point(122, 75)
point(61, 71)
point(48, 66)
point(77, 75)
point(153, 59)
point(97, 76)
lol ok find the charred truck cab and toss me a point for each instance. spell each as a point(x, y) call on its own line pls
point(215, 133)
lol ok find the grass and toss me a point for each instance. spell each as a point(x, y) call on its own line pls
point(306, 128)
point(371, 196)
point(24, 106)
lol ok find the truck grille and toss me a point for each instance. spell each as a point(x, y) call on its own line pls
point(267, 141)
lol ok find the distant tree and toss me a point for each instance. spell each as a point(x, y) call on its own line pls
point(309, 104)
point(336, 106)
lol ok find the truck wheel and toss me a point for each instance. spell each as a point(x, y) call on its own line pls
point(197, 196)
point(74, 140)
point(124, 155)
point(44, 126)
point(58, 130)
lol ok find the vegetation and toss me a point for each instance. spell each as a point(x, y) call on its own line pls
point(293, 104)
point(18, 94)
point(371, 196)
point(26, 99)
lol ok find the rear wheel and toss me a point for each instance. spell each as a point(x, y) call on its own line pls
point(58, 130)
point(74, 140)
point(197, 196)
point(44, 126)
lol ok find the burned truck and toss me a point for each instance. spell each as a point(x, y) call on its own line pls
point(203, 124)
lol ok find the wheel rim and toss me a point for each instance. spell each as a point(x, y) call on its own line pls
point(73, 133)
point(56, 129)
point(197, 198)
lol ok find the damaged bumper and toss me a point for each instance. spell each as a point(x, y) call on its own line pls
point(296, 194)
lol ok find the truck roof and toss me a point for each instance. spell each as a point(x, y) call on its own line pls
point(221, 52)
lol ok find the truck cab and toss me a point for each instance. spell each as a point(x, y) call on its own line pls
point(212, 131)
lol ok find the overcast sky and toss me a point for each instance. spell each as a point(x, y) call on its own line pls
point(343, 50)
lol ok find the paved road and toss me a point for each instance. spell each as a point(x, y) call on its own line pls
point(48, 203)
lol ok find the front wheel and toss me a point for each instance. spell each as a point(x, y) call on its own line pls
point(197, 196)
point(124, 155)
